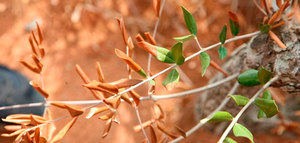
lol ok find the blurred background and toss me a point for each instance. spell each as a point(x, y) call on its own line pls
point(85, 31)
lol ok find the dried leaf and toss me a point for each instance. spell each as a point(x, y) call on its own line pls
point(179, 131)
point(277, 40)
point(159, 113)
point(96, 110)
point(279, 3)
point(113, 101)
point(156, 6)
point(14, 133)
point(26, 138)
point(153, 135)
point(30, 67)
point(135, 96)
point(123, 29)
point(50, 127)
point(265, 5)
point(39, 33)
point(86, 79)
point(125, 82)
point(39, 89)
point(164, 129)
point(233, 16)
point(18, 121)
point(36, 121)
point(277, 24)
point(12, 128)
point(34, 38)
point(139, 38)
point(74, 110)
point(64, 131)
point(107, 128)
point(150, 38)
point(217, 67)
point(107, 116)
point(148, 123)
point(278, 13)
point(37, 62)
point(125, 97)
point(99, 72)
point(104, 87)
point(33, 49)
point(24, 116)
point(37, 135)
point(133, 65)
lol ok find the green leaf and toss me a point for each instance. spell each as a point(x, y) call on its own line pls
point(268, 106)
point(234, 27)
point(173, 76)
point(229, 140)
point(142, 73)
point(222, 52)
point(222, 35)
point(264, 75)
point(221, 116)
point(176, 52)
point(152, 82)
point(249, 78)
point(164, 55)
point(264, 28)
point(189, 21)
point(241, 131)
point(240, 100)
point(184, 38)
point(266, 95)
point(205, 61)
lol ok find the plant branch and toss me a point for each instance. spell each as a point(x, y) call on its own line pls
point(236, 118)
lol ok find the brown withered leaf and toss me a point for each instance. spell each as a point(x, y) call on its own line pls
point(158, 112)
point(30, 67)
point(130, 47)
point(34, 38)
point(265, 6)
point(100, 73)
point(139, 38)
point(37, 135)
point(42, 51)
point(125, 82)
point(107, 116)
point(277, 40)
point(64, 131)
point(39, 33)
point(96, 110)
point(24, 116)
point(179, 131)
point(148, 47)
point(277, 15)
point(135, 96)
point(150, 38)
point(33, 48)
point(217, 67)
point(278, 24)
point(233, 16)
point(12, 128)
point(13, 133)
point(42, 140)
point(156, 6)
point(138, 128)
point(36, 121)
point(86, 79)
point(26, 138)
point(113, 101)
point(18, 121)
point(50, 128)
point(123, 29)
point(107, 128)
point(133, 65)
point(153, 135)
point(165, 130)
point(39, 89)
point(19, 137)
point(125, 97)
point(37, 62)
point(104, 87)
point(279, 3)
point(73, 109)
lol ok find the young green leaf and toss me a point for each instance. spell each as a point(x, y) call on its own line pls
point(264, 75)
point(176, 52)
point(249, 78)
point(264, 28)
point(173, 76)
point(241, 131)
point(184, 38)
point(268, 106)
point(240, 100)
point(222, 52)
point(234, 27)
point(266, 95)
point(229, 140)
point(221, 116)
point(189, 21)
point(223, 33)
point(205, 61)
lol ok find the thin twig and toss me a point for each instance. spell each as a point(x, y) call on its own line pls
point(203, 121)
point(140, 122)
point(236, 118)
point(262, 10)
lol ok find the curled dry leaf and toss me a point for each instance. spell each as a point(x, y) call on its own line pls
point(113, 101)
point(156, 6)
point(217, 67)
point(233, 16)
point(277, 40)
point(37, 61)
point(63, 131)
point(36, 121)
point(130, 47)
point(50, 128)
point(180, 131)
point(265, 5)
point(158, 112)
point(107, 116)
point(139, 38)
point(86, 79)
point(277, 15)
point(104, 87)
point(24, 116)
point(37, 135)
point(135, 96)
point(73, 109)
point(107, 128)
point(166, 131)
point(125, 97)
point(34, 38)
point(123, 29)
point(39, 89)
point(33, 49)
point(100, 73)
point(96, 110)
point(148, 123)
point(125, 82)
point(30, 67)
point(278, 24)
point(150, 38)
point(153, 135)
point(26, 138)
point(39, 33)
point(133, 65)
point(148, 47)
point(12, 128)
point(13, 134)
point(18, 121)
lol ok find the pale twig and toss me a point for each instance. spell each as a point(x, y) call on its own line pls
point(203, 121)
point(236, 118)
point(140, 122)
